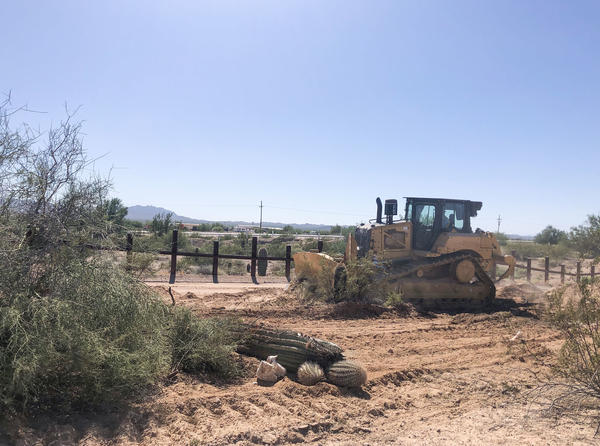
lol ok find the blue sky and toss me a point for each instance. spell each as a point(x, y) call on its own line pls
point(318, 107)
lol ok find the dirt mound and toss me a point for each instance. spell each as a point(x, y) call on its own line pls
point(525, 292)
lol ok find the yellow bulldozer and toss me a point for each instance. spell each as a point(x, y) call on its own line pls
point(432, 256)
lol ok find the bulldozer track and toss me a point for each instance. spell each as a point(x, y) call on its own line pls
point(397, 273)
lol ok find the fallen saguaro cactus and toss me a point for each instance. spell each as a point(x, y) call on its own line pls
point(303, 355)
point(347, 374)
point(310, 373)
point(292, 348)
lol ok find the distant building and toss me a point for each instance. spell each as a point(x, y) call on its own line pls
point(245, 228)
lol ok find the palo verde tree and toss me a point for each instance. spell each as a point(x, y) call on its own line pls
point(550, 236)
point(75, 328)
point(162, 223)
point(586, 238)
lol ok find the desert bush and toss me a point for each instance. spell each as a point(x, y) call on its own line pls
point(550, 236)
point(92, 334)
point(75, 327)
point(140, 264)
point(394, 299)
point(184, 264)
point(162, 223)
point(586, 238)
point(575, 311)
point(154, 243)
point(524, 250)
point(363, 281)
point(203, 345)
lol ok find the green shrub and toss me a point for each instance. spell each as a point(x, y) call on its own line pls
point(95, 335)
point(586, 238)
point(203, 345)
point(365, 282)
point(525, 249)
point(361, 281)
point(140, 264)
point(76, 328)
point(551, 236)
point(575, 311)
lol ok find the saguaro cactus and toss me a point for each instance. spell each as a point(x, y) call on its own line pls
point(262, 263)
point(292, 348)
point(347, 374)
point(310, 373)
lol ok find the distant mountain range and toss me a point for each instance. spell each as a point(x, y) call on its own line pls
point(146, 213)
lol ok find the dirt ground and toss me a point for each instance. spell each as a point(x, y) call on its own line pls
point(433, 379)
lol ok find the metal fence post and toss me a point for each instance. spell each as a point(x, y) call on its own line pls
point(253, 259)
point(173, 257)
point(578, 275)
point(546, 269)
point(288, 261)
point(562, 273)
point(528, 269)
point(593, 271)
point(129, 247)
point(215, 268)
point(320, 246)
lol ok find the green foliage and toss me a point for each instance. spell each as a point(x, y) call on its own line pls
point(92, 334)
point(364, 283)
point(139, 264)
point(394, 299)
point(525, 249)
point(155, 242)
point(586, 238)
point(575, 311)
point(133, 224)
point(115, 212)
point(204, 345)
point(288, 229)
point(361, 281)
point(551, 236)
point(162, 223)
point(75, 328)
point(336, 229)
point(243, 240)
point(502, 238)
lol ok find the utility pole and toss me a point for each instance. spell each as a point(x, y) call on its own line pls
point(260, 227)
point(499, 220)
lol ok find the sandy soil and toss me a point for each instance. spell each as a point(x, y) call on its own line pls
point(433, 379)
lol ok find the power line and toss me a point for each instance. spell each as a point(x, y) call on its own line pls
point(314, 211)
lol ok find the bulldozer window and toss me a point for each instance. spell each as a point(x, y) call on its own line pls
point(423, 226)
point(425, 215)
point(454, 216)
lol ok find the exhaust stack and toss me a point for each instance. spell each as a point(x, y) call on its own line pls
point(379, 209)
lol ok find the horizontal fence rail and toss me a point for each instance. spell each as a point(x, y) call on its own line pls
point(578, 274)
point(254, 258)
point(215, 255)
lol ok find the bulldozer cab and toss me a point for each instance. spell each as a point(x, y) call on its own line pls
point(432, 216)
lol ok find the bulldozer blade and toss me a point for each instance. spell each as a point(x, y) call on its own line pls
point(506, 260)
